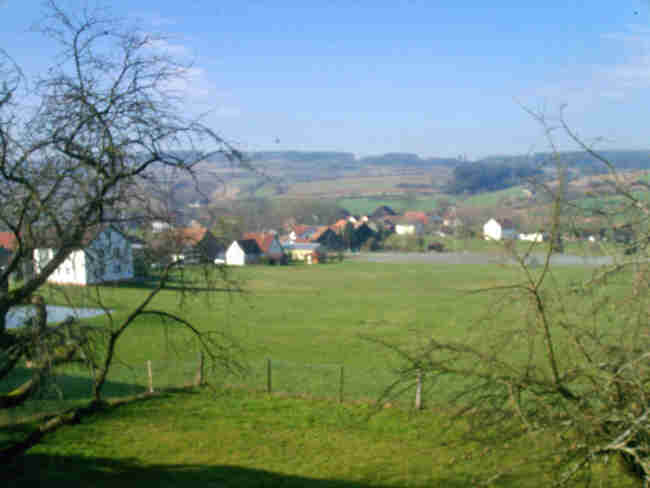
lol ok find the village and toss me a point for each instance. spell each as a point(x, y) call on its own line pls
point(112, 254)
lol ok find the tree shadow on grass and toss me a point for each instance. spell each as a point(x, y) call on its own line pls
point(173, 284)
point(66, 471)
point(74, 386)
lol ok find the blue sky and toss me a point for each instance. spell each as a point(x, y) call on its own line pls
point(437, 78)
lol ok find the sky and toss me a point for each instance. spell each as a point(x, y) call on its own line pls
point(437, 78)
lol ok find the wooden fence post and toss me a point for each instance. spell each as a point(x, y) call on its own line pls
point(268, 375)
point(418, 390)
point(341, 379)
point(199, 379)
point(150, 374)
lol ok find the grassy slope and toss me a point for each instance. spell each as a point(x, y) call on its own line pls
point(303, 316)
point(238, 439)
point(491, 199)
point(310, 320)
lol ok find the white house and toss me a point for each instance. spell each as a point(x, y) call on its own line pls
point(496, 230)
point(534, 237)
point(245, 251)
point(106, 255)
point(408, 228)
point(404, 229)
point(160, 226)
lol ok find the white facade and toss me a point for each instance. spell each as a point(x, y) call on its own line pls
point(235, 255)
point(160, 226)
point(493, 231)
point(405, 229)
point(534, 237)
point(108, 257)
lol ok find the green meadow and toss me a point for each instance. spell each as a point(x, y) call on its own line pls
point(308, 320)
point(315, 324)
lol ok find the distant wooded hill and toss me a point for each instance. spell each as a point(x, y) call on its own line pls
point(621, 159)
point(301, 174)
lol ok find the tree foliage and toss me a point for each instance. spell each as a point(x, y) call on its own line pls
point(477, 177)
point(563, 363)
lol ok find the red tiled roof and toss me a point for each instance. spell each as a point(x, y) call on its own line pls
point(7, 240)
point(299, 229)
point(319, 232)
point(339, 225)
point(263, 240)
point(419, 216)
point(190, 235)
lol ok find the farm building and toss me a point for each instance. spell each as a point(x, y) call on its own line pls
point(268, 243)
point(408, 228)
point(244, 251)
point(196, 244)
point(534, 237)
point(302, 251)
point(496, 230)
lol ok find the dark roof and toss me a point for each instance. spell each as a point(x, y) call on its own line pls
point(249, 246)
point(382, 211)
point(506, 223)
point(263, 240)
point(50, 239)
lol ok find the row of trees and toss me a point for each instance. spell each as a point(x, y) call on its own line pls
point(560, 364)
point(480, 177)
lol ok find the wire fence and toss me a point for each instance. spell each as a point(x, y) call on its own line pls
point(336, 382)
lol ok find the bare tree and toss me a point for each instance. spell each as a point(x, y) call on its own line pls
point(563, 362)
point(106, 121)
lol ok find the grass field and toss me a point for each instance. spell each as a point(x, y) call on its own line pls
point(309, 321)
point(239, 439)
point(491, 199)
point(308, 317)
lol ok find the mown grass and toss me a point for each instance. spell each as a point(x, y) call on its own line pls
point(491, 199)
point(242, 439)
point(309, 321)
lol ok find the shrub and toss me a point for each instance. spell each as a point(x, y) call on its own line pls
point(436, 246)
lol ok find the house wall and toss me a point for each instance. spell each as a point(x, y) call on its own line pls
point(235, 255)
point(71, 271)
point(404, 230)
point(492, 230)
point(535, 237)
point(109, 257)
point(300, 254)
